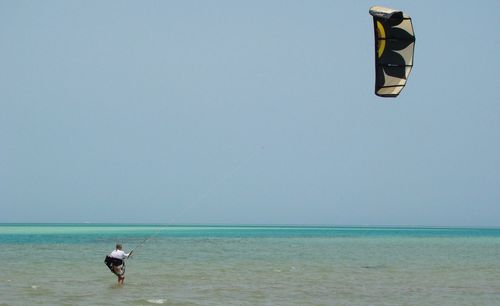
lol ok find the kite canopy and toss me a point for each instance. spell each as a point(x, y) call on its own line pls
point(394, 45)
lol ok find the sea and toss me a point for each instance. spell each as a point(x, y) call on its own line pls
point(63, 264)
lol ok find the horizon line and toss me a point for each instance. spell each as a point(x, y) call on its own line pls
point(159, 224)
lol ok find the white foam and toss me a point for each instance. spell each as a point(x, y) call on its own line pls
point(156, 301)
point(34, 287)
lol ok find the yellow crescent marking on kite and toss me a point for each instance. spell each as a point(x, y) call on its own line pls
point(380, 39)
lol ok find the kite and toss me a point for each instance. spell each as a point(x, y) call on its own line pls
point(394, 46)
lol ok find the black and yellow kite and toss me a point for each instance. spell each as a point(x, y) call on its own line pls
point(394, 45)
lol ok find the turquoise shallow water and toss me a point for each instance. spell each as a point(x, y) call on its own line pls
point(253, 265)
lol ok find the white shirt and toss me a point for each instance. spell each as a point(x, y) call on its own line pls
point(119, 254)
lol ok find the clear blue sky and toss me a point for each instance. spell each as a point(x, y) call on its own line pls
point(246, 112)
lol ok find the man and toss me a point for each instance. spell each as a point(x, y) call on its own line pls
point(115, 262)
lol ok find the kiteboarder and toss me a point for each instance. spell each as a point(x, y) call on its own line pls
point(116, 262)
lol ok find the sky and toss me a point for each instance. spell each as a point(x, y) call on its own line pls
point(246, 112)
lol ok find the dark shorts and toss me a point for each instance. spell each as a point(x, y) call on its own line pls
point(115, 265)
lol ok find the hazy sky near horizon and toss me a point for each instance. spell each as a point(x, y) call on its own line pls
point(254, 112)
